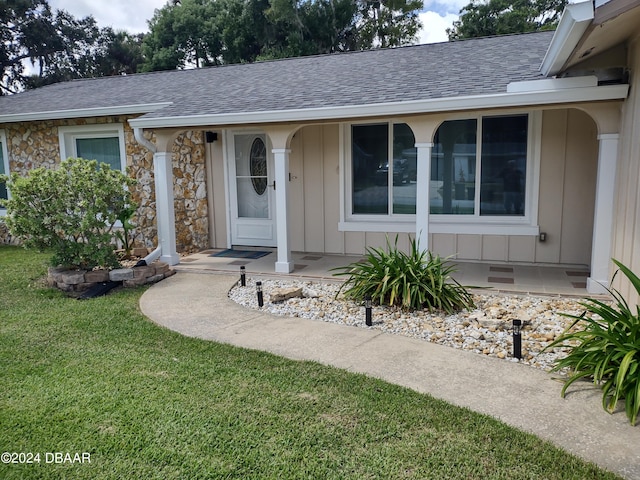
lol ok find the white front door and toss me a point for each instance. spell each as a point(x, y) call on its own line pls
point(252, 191)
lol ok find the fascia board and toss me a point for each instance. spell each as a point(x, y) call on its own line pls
point(83, 112)
point(575, 20)
point(502, 100)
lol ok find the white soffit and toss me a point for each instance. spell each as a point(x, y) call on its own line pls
point(575, 20)
point(552, 84)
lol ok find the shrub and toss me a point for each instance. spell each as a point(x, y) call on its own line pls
point(412, 281)
point(71, 210)
point(607, 349)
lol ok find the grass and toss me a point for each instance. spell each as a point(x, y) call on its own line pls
point(97, 377)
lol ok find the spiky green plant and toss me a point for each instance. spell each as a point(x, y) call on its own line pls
point(606, 349)
point(412, 281)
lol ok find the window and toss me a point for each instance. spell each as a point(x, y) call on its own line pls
point(258, 166)
point(4, 169)
point(104, 143)
point(478, 167)
point(383, 167)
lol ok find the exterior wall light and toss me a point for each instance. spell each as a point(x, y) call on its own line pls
point(517, 339)
point(259, 293)
point(367, 310)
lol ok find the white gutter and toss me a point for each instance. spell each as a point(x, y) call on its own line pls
point(575, 20)
point(84, 112)
point(472, 102)
point(553, 84)
point(140, 138)
point(153, 256)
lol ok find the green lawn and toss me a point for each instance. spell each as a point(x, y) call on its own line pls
point(96, 377)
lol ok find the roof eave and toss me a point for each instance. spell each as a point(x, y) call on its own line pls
point(574, 22)
point(475, 102)
point(84, 112)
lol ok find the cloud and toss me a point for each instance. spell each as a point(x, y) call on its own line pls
point(118, 14)
point(444, 7)
point(434, 26)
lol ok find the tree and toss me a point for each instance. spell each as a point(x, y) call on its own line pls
point(59, 46)
point(120, 53)
point(184, 34)
point(388, 23)
point(482, 18)
point(16, 19)
point(207, 32)
point(243, 26)
point(309, 27)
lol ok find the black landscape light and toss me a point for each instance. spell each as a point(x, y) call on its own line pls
point(259, 293)
point(517, 339)
point(367, 310)
point(243, 277)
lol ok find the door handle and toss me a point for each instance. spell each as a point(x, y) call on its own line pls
point(273, 185)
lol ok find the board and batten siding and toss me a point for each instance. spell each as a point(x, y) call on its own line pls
point(567, 194)
point(626, 233)
point(217, 196)
point(569, 153)
point(568, 160)
point(315, 197)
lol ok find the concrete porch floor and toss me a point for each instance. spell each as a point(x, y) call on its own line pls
point(502, 277)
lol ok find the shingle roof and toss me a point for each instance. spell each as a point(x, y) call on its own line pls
point(482, 66)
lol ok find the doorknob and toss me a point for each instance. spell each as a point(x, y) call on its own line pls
point(273, 185)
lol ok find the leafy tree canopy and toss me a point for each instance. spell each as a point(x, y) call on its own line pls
point(482, 18)
point(209, 32)
point(59, 46)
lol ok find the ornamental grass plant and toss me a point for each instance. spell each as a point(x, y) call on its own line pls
point(606, 349)
point(413, 281)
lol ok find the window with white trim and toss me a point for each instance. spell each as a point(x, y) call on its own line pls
point(104, 143)
point(4, 169)
point(479, 168)
point(383, 170)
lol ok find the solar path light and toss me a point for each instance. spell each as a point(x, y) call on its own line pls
point(259, 293)
point(367, 310)
point(517, 338)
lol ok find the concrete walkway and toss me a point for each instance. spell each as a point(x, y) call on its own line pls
point(196, 305)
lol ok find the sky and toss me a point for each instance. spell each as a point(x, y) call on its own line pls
point(132, 16)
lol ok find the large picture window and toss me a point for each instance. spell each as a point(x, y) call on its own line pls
point(104, 143)
point(383, 169)
point(478, 167)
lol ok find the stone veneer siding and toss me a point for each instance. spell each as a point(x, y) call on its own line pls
point(35, 144)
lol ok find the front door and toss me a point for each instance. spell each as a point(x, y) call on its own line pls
point(252, 191)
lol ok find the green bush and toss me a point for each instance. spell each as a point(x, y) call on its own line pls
point(71, 211)
point(607, 349)
point(412, 281)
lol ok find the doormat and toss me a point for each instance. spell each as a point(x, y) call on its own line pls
point(231, 253)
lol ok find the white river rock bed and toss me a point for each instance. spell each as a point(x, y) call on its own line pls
point(486, 330)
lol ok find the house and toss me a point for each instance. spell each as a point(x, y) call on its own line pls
point(520, 148)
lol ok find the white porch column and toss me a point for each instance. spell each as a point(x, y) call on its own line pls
point(165, 214)
point(284, 263)
point(423, 182)
point(603, 217)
